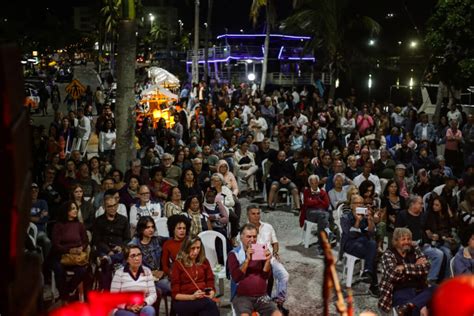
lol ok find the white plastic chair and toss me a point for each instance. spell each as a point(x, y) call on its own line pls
point(307, 228)
point(265, 176)
point(348, 267)
point(383, 184)
point(208, 239)
point(426, 199)
point(451, 266)
point(162, 226)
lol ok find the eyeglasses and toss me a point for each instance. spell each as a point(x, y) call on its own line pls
point(135, 256)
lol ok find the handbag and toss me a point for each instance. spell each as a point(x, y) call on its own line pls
point(214, 299)
point(72, 259)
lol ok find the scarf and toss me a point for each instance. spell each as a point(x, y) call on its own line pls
point(133, 194)
point(196, 226)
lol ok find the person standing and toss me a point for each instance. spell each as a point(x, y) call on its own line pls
point(83, 131)
point(55, 98)
point(99, 100)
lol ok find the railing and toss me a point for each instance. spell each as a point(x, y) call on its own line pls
point(250, 52)
point(276, 78)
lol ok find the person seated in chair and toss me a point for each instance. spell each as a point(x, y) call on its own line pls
point(358, 233)
point(464, 259)
point(134, 276)
point(267, 236)
point(250, 277)
point(282, 175)
point(403, 284)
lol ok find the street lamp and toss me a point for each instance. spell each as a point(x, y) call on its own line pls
point(251, 76)
point(369, 84)
point(152, 18)
point(413, 44)
point(371, 42)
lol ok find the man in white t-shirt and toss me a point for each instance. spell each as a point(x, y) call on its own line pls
point(266, 235)
point(122, 210)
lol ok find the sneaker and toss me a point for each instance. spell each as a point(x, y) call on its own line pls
point(375, 292)
point(366, 277)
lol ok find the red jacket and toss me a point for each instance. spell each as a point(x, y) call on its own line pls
point(313, 201)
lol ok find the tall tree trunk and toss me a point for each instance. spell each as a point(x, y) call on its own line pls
point(265, 49)
point(195, 68)
point(206, 39)
point(332, 80)
point(125, 118)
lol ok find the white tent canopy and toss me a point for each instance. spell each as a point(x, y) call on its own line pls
point(162, 77)
point(155, 89)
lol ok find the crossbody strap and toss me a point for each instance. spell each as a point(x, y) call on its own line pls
point(187, 273)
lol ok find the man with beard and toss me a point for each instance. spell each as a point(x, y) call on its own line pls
point(403, 283)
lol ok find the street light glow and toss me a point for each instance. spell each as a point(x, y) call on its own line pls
point(152, 17)
point(251, 76)
point(413, 44)
point(369, 82)
point(337, 83)
point(371, 42)
point(410, 84)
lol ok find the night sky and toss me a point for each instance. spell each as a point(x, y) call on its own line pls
point(231, 14)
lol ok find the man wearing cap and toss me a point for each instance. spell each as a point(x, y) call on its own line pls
point(405, 184)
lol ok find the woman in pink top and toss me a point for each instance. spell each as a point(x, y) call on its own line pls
point(453, 139)
point(364, 120)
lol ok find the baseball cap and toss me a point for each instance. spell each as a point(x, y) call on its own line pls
point(34, 185)
point(400, 166)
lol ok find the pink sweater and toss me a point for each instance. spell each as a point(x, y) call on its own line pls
point(364, 123)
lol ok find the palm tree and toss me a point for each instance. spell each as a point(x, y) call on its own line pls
point(127, 46)
point(111, 12)
point(270, 21)
point(337, 30)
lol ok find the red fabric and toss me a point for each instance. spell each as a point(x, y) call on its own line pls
point(253, 282)
point(313, 201)
point(181, 283)
point(170, 250)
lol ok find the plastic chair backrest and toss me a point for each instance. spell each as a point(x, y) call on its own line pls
point(33, 232)
point(426, 200)
point(451, 266)
point(265, 167)
point(162, 226)
point(208, 238)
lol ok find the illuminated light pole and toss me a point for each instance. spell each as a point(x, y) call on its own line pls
point(369, 85)
point(336, 83)
point(152, 19)
point(413, 44)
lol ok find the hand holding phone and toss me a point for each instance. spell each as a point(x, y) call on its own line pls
point(207, 291)
point(361, 211)
point(259, 252)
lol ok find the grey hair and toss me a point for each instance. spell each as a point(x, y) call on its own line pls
point(400, 232)
point(440, 158)
point(168, 155)
point(343, 176)
point(412, 199)
point(311, 177)
point(219, 176)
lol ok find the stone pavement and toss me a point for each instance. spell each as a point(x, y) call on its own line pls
point(305, 268)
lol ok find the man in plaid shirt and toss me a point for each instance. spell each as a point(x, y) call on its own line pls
point(404, 284)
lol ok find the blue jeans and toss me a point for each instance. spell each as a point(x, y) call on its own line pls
point(282, 276)
point(409, 295)
point(164, 286)
point(146, 311)
point(363, 248)
point(436, 259)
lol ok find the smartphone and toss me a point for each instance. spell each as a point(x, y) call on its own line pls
point(207, 290)
point(259, 252)
point(361, 211)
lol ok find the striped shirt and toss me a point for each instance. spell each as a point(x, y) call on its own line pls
point(123, 281)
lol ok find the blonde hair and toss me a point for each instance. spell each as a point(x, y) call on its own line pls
point(350, 192)
point(183, 254)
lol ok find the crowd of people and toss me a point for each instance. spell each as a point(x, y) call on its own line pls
point(364, 172)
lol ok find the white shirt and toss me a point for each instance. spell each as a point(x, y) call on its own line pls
point(84, 128)
point(107, 141)
point(375, 180)
point(122, 210)
point(301, 122)
point(150, 209)
point(266, 235)
point(259, 132)
point(296, 97)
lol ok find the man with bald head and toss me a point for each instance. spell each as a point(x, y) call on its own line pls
point(358, 239)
